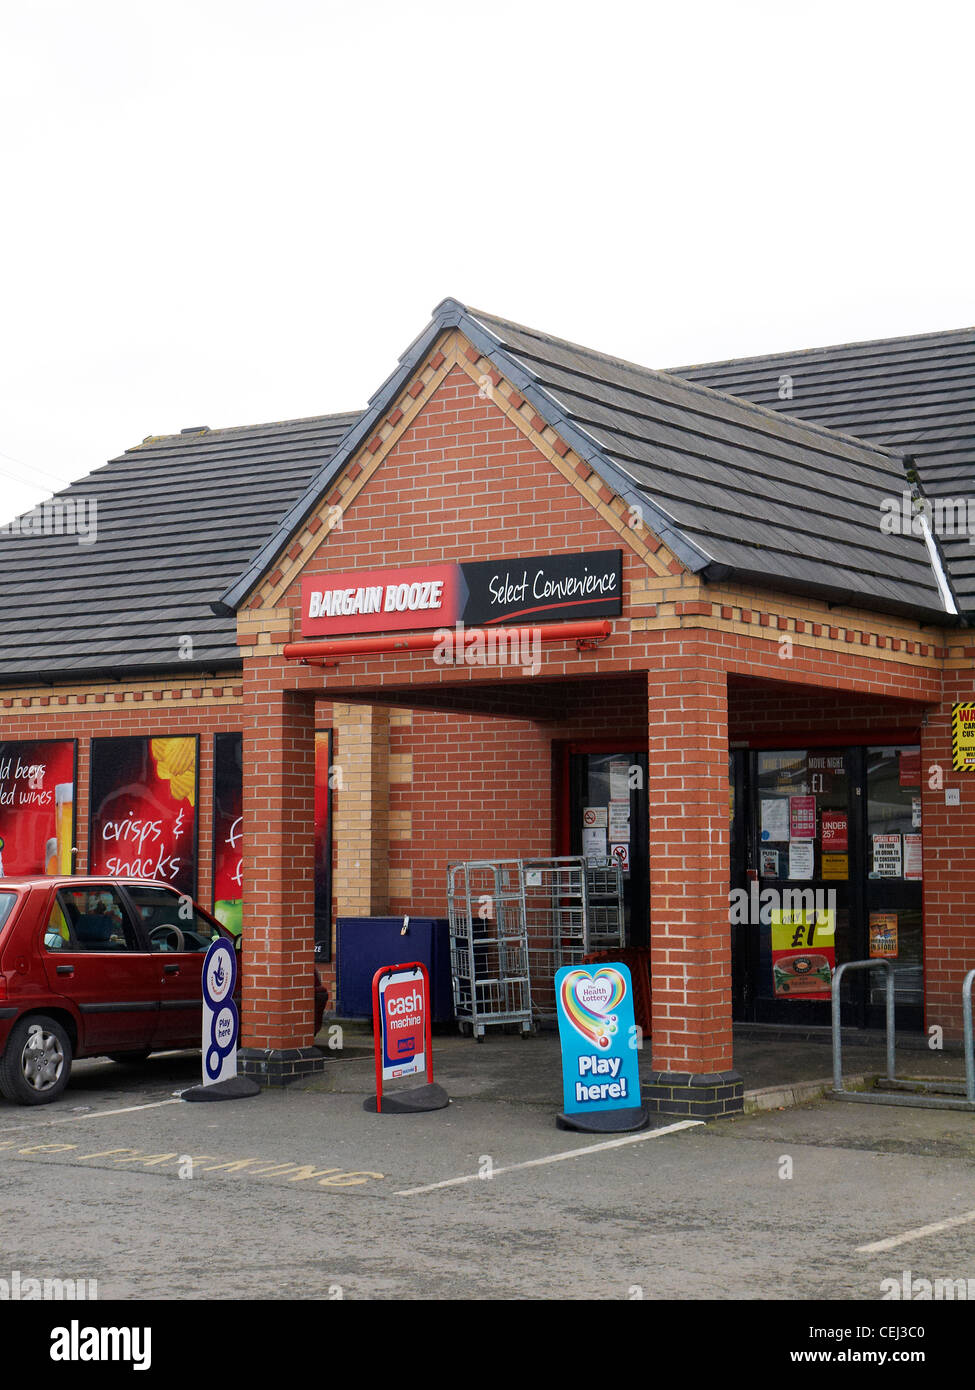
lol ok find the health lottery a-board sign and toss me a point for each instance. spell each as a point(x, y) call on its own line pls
point(539, 589)
point(221, 1021)
point(600, 1049)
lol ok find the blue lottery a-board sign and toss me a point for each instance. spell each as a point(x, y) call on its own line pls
point(600, 1052)
point(221, 1021)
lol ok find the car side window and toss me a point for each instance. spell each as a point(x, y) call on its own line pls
point(171, 921)
point(57, 933)
point(89, 918)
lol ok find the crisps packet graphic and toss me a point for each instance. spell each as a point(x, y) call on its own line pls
point(176, 764)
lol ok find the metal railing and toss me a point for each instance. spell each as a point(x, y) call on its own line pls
point(966, 1012)
point(948, 1089)
point(886, 966)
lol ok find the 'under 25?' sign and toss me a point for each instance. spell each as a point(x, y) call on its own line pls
point(599, 1038)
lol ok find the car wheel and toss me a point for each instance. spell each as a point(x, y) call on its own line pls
point(129, 1058)
point(36, 1063)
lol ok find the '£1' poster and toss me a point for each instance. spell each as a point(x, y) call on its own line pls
point(803, 953)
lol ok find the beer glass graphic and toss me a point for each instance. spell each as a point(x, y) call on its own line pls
point(64, 824)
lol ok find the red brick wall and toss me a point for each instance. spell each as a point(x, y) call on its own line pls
point(760, 715)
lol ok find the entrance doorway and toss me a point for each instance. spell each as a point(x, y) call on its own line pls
point(842, 824)
point(604, 814)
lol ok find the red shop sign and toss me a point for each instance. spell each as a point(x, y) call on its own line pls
point(834, 832)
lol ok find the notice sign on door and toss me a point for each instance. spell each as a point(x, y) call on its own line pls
point(834, 832)
point(619, 820)
point(912, 856)
point(836, 866)
point(620, 855)
point(886, 856)
point(802, 859)
point(802, 817)
point(775, 818)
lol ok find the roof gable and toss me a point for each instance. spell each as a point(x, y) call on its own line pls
point(734, 489)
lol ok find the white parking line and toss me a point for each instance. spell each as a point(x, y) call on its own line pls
point(93, 1115)
point(555, 1158)
point(918, 1234)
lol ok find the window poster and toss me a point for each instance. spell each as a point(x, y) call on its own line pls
point(619, 780)
point(803, 953)
point(594, 844)
point(886, 856)
point(143, 809)
point(775, 818)
point(770, 863)
point(228, 837)
point(912, 856)
point(802, 817)
point(909, 767)
point(801, 859)
point(883, 935)
point(37, 782)
point(836, 866)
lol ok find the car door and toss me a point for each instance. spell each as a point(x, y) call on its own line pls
point(178, 936)
point(93, 955)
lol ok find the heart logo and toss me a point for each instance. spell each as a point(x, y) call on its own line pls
point(588, 1001)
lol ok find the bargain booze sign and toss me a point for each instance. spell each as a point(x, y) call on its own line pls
point(538, 589)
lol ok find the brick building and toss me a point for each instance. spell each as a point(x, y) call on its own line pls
point(779, 655)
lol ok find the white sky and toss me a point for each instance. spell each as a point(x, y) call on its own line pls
point(231, 211)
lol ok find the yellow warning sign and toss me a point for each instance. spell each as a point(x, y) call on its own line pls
point(963, 736)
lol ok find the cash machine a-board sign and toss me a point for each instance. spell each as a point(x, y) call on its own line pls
point(401, 1029)
point(600, 1049)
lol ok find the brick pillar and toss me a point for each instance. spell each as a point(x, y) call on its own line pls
point(361, 821)
point(690, 939)
point(947, 836)
point(279, 885)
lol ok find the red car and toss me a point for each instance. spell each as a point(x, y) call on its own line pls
point(93, 967)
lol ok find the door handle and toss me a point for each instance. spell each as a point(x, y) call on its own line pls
point(171, 969)
point(65, 969)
